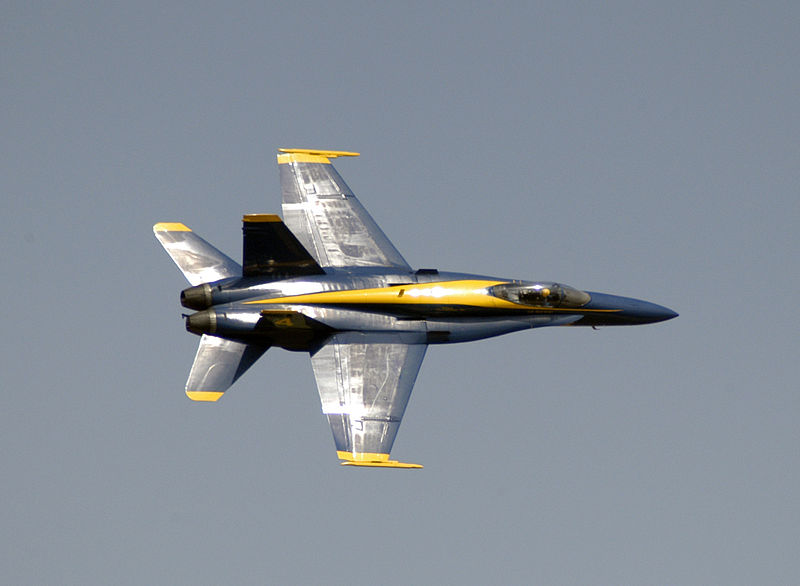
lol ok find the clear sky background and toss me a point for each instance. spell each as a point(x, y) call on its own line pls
point(643, 149)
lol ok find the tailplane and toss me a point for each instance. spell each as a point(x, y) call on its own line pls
point(217, 365)
point(198, 260)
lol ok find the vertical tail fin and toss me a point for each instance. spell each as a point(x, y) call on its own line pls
point(217, 365)
point(197, 259)
point(270, 249)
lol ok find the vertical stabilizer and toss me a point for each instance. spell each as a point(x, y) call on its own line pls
point(270, 250)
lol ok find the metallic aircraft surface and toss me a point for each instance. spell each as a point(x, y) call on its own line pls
point(327, 281)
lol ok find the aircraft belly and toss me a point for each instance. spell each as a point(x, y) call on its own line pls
point(354, 324)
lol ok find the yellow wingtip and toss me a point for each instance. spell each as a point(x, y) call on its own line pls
point(311, 156)
point(204, 395)
point(320, 153)
point(372, 460)
point(387, 464)
point(171, 227)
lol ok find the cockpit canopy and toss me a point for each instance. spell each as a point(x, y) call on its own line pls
point(540, 294)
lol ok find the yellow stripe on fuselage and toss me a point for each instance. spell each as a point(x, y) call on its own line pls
point(467, 293)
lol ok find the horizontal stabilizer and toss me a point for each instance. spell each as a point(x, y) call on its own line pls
point(197, 259)
point(217, 365)
point(271, 250)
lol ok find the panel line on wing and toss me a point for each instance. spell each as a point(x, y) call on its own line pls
point(364, 389)
point(327, 218)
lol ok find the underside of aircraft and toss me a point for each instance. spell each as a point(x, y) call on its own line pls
point(326, 280)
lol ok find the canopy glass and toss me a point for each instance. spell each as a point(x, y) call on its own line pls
point(540, 294)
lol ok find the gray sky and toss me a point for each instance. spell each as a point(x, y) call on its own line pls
point(644, 149)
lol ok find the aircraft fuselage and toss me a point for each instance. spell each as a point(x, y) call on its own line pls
point(326, 280)
point(425, 307)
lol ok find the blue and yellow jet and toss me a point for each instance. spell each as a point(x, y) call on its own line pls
point(327, 281)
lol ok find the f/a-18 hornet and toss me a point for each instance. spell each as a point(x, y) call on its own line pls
point(327, 281)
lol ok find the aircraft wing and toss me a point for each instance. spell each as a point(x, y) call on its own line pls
point(364, 387)
point(330, 222)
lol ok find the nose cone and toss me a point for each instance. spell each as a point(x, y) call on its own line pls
point(650, 313)
point(627, 310)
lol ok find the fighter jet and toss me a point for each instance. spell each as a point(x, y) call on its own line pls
point(326, 280)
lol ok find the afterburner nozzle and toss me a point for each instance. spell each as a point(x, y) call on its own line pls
point(202, 322)
point(197, 297)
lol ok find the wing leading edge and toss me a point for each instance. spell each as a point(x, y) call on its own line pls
point(364, 388)
point(330, 222)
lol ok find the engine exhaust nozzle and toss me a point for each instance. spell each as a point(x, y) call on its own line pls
point(197, 297)
point(202, 322)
